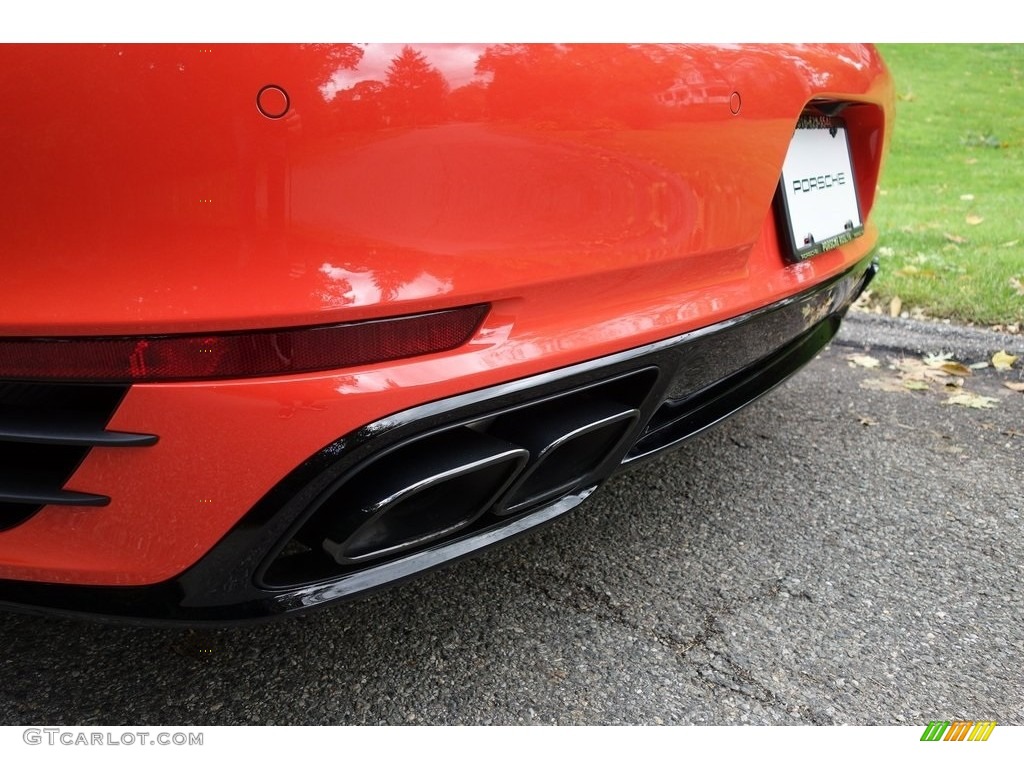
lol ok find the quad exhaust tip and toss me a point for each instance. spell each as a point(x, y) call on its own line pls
point(419, 493)
point(461, 479)
point(568, 448)
point(432, 488)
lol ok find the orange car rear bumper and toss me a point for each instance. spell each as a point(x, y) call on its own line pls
point(251, 568)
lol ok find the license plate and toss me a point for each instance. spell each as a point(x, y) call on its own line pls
point(818, 193)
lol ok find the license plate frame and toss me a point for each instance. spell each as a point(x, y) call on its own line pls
point(817, 200)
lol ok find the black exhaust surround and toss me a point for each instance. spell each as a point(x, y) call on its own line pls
point(461, 479)
point(444, 480)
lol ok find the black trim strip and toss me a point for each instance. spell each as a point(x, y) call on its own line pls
point(56, 428)
point(16, 493)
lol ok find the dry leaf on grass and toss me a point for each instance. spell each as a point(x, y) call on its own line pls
point(972, 401)
point(895, 306)
point(974, 220)
point(1017, 283)
point(1007, 328)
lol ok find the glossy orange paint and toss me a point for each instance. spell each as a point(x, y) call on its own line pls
point(598, 197)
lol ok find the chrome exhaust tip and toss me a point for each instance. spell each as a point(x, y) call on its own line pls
point(568, 447)
point(423, 491)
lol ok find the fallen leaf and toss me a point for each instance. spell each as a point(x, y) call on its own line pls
point(915, 384)
point(974, 219)
point(966, 197)
point(867, 421)
point(864, 361)
point(882, 385)
point(972, 401)
point(971, 160)
point(942, 365)
point(910, 269)
point(1017, 283)
point(886, 251)
point(1016, 386)
point(954, 368)
point(978, 366)
point(955, 238)
point(909, 365)
point(911, 368)
point(1002, 361)
point(895, 306)
point(953, 384)
point(1009, 244)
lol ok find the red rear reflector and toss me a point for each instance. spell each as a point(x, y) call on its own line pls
point(237, 355)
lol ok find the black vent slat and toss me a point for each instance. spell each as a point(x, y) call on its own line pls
point(46, 431)
point(32, 495)
point(58, 428)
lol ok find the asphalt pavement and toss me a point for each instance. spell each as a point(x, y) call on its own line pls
point(846, 550)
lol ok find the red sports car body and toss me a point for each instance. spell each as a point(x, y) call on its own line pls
point(282, 324)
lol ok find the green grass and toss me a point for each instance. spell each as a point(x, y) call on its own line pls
point(951, 208)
